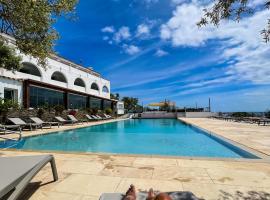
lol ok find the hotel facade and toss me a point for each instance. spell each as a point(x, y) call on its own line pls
point(62, 82)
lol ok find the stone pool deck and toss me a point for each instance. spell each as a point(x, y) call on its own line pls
point(86, 176)
point(251, 135)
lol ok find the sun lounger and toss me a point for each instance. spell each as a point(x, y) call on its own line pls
point(89, 118)
point(10, 127)
point(143, 196)
point(17, 172)
point(263, 121)
point(37, 120)
point(96, 118)
point(108, 116)
point(63, 121)
point(74, 119)
point(23, 124)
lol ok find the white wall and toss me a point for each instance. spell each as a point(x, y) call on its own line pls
point(200, 114)
point(71, 73)
point(11, 84)
point(157, 115)
point(120, 108)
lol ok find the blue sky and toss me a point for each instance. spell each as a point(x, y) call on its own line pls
point(153, 50)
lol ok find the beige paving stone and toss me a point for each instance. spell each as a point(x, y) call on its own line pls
point(155, 161)
point(82, 167)
point(86, 197)
point(127, 171)
point(87, 184)
point(182, 174)
point(124, 160)
point(40, 195)
point(146, 184)
point(222, 192)
point(250, 135)
point(239, 177)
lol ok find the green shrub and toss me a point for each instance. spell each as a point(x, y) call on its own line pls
point(5, 106)
point(108, 111)
point(59, 109)
point(40, 112)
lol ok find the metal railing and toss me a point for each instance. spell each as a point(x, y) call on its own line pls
point(6, 132)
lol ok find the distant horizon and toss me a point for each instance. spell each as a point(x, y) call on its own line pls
point(152, 50)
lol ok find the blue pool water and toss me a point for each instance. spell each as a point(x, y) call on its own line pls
point(142, 136)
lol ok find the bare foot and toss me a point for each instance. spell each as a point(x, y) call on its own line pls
point(163, 196)
point(130, 194)
point(151, 195)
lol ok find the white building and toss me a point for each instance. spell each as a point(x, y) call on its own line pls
point(120, 108)
point(62, 82)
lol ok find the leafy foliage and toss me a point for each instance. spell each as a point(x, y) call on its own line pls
point(59, 109)
point(8, 58)
point(231, 9)
point(30, 23)
point(267, 114)
point(5, 106)
point(130, 103)
point(108, 111)
point(115, 96)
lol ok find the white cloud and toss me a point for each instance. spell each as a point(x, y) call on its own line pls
point(161, 53)
point(143, 30)
point(240, 42)
point(131, 49)
point(108, 29)
point(122, 34)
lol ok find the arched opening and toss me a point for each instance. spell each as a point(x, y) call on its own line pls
point(79, 82)
point(105, 89)
point(94, 86)
point(58, 76)
point(29, 68)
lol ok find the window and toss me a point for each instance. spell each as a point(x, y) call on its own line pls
point(77, 101)
point(105, 89)
point(107, 104)
point(29, 68)
point(94, 86)
point(41, 96)
point(79, 82)
point(58, 76)
point(10, 94)
point(95, 103)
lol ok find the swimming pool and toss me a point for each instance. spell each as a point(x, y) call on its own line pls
point(169, 137)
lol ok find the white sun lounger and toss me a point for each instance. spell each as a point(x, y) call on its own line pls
point(17, 172)
point(22, 124)
point(74, 119)
point(37, 120)
point(95, 117)
point(90, 118)
point(63, 121)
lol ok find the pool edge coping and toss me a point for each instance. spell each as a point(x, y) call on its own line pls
point(261, 155)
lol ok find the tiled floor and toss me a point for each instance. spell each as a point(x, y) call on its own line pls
point(87, 176)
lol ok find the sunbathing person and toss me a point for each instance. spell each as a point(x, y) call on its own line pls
point(131, 195)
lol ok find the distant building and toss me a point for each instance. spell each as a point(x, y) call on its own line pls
point(61, 83)
point(120, 108)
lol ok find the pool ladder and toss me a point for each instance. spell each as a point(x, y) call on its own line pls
point(11, 132)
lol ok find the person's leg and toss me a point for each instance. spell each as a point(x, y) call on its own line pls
point(130, 194)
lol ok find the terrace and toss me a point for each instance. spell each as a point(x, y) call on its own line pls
point(87, 175)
